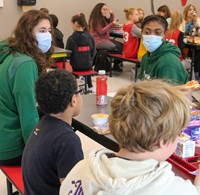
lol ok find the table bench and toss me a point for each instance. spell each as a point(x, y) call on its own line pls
point(13, 176)
point(121, 57)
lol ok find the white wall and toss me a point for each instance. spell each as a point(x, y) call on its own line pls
point(65, 9)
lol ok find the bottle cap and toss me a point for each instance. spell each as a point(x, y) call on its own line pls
point(102, 72)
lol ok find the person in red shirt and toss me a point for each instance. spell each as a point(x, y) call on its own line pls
point(173, 34)
point(131, 33)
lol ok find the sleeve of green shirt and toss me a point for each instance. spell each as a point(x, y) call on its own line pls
point(23, 90)
point(174, 72)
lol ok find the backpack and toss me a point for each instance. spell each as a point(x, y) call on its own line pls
point(101, 61)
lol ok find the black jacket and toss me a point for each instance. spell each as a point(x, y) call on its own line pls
point(58, 38)
point(83, 50)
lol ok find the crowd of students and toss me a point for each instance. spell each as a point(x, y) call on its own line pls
point(143, 117)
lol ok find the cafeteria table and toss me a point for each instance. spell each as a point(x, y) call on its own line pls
point(61, 54)
point(116, 33)
point(83, 122)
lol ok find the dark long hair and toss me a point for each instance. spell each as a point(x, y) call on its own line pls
point(165, 9)
point(22, 39)
point(97, 18)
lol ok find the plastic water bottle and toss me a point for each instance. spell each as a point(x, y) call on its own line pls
point(101, 88)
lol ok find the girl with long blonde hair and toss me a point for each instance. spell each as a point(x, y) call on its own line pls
point(173, 34)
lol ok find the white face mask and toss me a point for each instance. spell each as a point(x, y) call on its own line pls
point(152, 42)
point(44, 41)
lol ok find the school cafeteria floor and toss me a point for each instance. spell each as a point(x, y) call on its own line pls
point(118, 80)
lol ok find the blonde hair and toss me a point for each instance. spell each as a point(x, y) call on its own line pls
point(176, 21)
point(146, 112)
point(185, 11)
point(140, 9)
point(128, 12)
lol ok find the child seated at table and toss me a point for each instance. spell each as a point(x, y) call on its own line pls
point(82, 45)
point(173, 34)
point(146, 119)
point(53, 147)
point(162, 60)
point(131, 33)
point(165, 12)
point(58, 35)
point(141, 17)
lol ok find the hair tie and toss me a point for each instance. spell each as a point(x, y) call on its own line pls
point(79, 14)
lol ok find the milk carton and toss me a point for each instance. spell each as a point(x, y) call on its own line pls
point(185, 147)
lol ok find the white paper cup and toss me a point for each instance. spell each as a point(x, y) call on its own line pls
point(99, 118)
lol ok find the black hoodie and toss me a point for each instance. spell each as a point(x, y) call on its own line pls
point(83, 50)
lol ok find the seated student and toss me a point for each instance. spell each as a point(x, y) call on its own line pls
point(141, 17)
point(99, 26)
point(131, 33)
point(173, 34)
point(162, 58)
point(24, 55)
point(58, 35)
point(82, 45)
point(164, 11)
point(53, 148)
point(145, 123)
point(191, 20)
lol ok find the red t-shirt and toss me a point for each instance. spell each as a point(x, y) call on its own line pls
point(130, 42)
point(174, 38)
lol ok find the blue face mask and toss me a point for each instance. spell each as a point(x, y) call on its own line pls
point(44, 41)
point(152, 42)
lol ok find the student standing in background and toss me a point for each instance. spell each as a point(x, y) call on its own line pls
point(131, 33)
point(23, 56)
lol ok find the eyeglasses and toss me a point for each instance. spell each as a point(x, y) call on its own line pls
point(81, 91)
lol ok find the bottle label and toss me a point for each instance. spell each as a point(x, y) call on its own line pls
point(101, 100)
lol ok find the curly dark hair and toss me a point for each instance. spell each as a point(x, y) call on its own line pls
point(54, 90)
point(155, 18)
point(23, 41)
point(96, 17)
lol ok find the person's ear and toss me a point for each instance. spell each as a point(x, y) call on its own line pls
point(162, 144)
point(163, 39)
point(73, 101)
